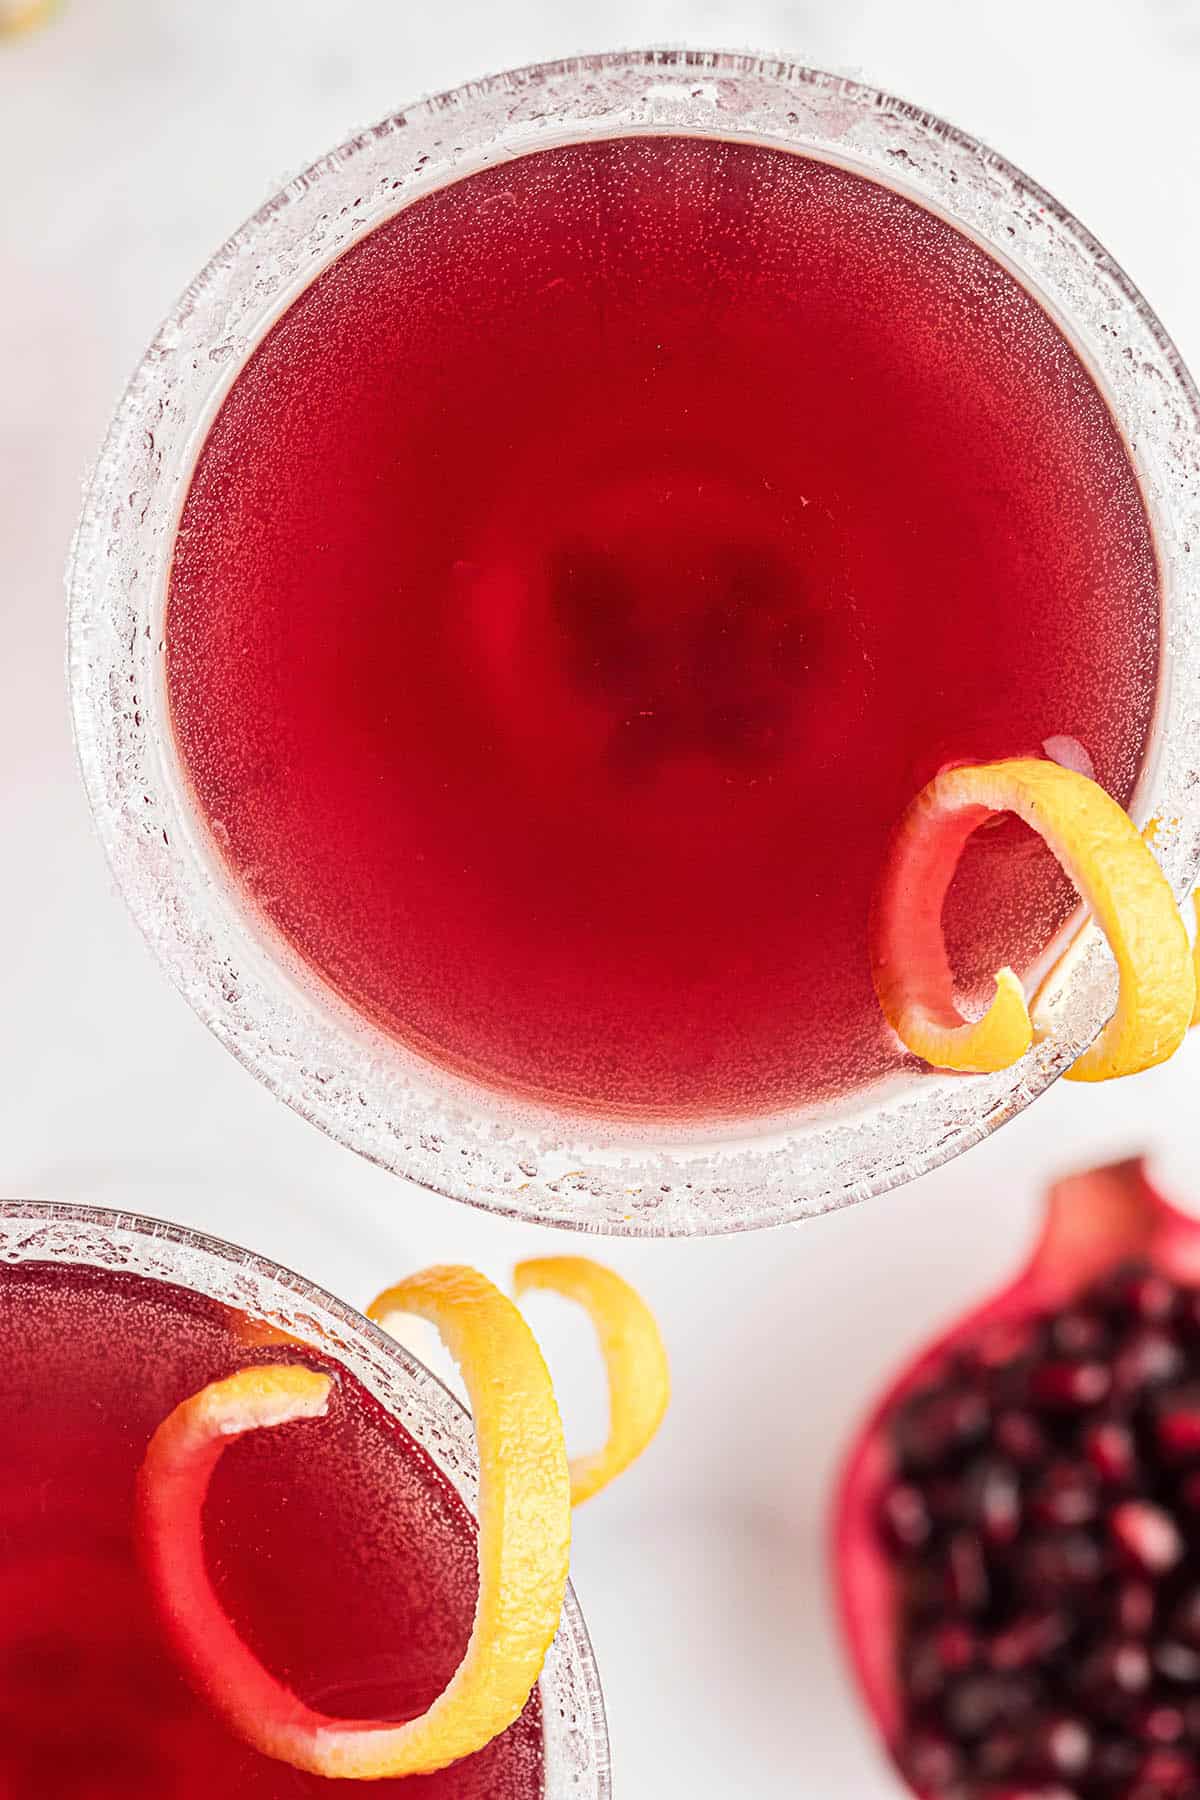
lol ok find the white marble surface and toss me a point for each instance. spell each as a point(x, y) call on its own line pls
point(133, 135)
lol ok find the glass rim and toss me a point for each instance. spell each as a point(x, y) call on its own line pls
point(574, 1724)
point(465, 1141)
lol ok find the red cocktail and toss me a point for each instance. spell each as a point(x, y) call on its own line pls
point(585, 572)
point(576, 572)
point(343, 1552)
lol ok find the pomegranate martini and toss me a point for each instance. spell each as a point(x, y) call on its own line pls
point(568, 579)
point(341, 1548)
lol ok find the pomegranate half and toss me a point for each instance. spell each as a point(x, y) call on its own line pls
point(1017, 1526)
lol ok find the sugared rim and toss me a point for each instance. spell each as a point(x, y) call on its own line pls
point(575, 1732)
point(463, 1141)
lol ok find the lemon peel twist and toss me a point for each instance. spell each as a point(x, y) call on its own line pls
point(20, 16)
point(635, 1360)
point(524, 1541)
point(1102, 852)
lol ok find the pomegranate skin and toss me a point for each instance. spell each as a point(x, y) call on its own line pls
point(1107, 1228)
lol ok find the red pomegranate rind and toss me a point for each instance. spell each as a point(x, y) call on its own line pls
point(1094, 1222)
point(1098, 1220)
point(909, 963)
point(865, 1589)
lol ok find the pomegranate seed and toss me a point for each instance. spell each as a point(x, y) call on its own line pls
point(935, 1423)
point(924, 1670)
point(1189, 1491)
point(1177, 1662)
point(1067, 1384)
point(1137, 1289)
point(1177, 1423)
point(1066, 1495)
point(993, 1500)
point(1168, 1771)
point(931, 1761)
point(1063, 1746)
point(904, 1517)
point(1021, 1438)
point(1154, 1297)
point(966, 1573)
point(1079, 1334)
point(1148, 1536)
point(978, 1703)
point(1160, 1724)
point(1147, 1358)
point(957, 1647)
point(1134, 1608)
point(1065, 1559)
point(1110, 1449)
point(1031, 1639)
point(1120, 1669)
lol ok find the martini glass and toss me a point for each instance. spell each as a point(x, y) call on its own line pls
point(77, 1541)
point(510, 1152)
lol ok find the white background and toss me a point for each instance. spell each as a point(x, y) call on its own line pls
point(134, 135)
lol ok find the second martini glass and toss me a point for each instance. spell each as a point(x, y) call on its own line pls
point(340, 1554)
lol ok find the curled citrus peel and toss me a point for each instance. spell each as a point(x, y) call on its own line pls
point(635, 1360)
point(524, 1538)
point(17, 16)
point(1196, 956)
point(1102, 852)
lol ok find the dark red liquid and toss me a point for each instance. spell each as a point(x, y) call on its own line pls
point(342, 1554)
point(586, 571)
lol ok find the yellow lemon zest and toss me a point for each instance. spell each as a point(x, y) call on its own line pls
point(20, 16)
point(524, 1541)
point(635, 1360)
point(1103, 853)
